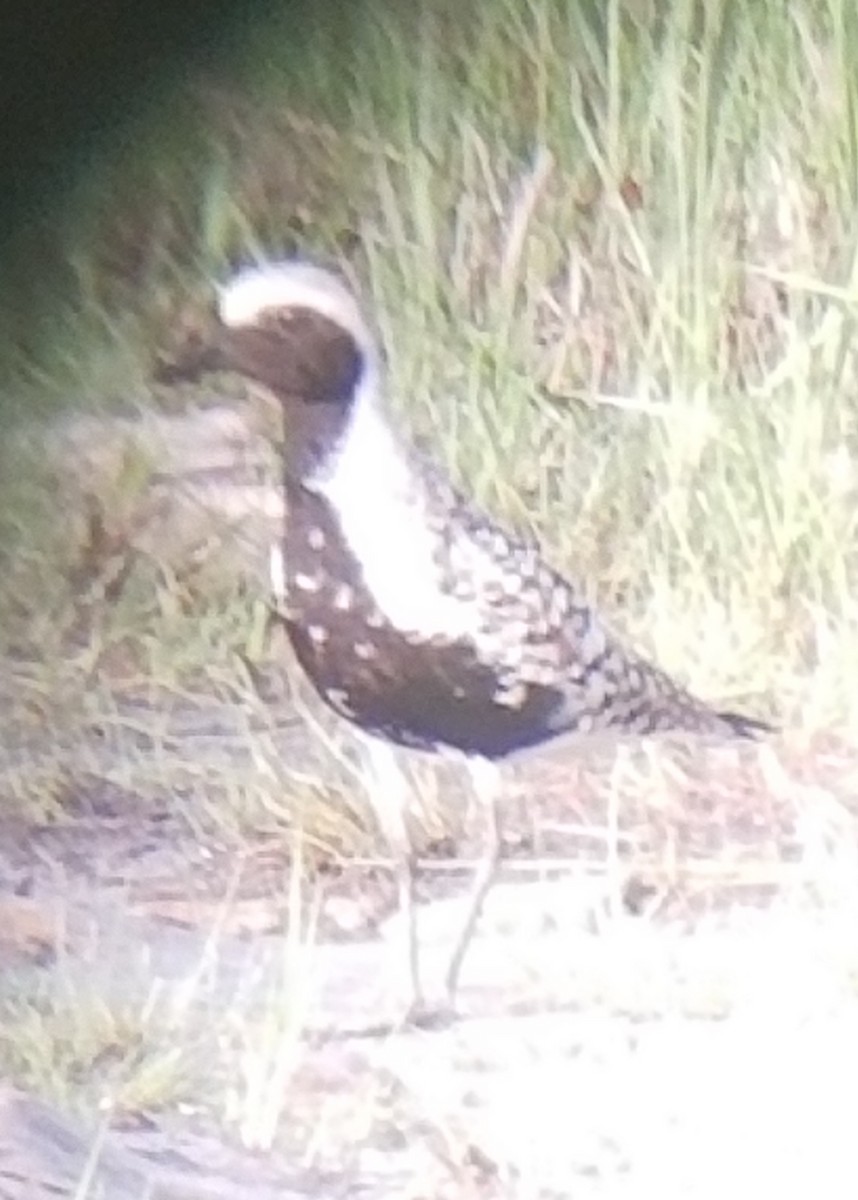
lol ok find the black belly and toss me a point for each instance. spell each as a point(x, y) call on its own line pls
point(415, 692)
point(423, 695)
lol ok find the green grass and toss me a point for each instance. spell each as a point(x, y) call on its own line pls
point(611, 250)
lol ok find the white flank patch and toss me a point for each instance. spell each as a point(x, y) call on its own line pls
point(277, 573)
point(383, 518)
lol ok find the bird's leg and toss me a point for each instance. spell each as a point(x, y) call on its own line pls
point(389, 797)
point(487, 786)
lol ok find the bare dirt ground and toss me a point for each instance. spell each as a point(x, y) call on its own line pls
point(661, 998)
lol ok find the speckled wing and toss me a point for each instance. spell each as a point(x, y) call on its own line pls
point(539, 632)
point(534, 663)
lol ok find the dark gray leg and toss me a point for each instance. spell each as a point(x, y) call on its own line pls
point(389, 789)
point(486, 779)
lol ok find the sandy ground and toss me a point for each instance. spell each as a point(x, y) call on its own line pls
point(702, 1046)
point(661, 999)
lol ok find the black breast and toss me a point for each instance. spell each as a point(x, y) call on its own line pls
point(425, 694)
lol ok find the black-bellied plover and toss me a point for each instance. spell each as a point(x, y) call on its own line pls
point(415, 616)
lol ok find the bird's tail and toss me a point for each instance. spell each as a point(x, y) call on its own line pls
point(647, 700)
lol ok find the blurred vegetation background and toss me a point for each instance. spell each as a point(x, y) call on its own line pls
point(611, 250)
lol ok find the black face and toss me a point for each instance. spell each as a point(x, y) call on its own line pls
point(311, 365)
point(297, 354)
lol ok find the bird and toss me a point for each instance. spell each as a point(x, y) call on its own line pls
point(415, 615)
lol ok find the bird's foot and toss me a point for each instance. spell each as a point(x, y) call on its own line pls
point(420, 1014)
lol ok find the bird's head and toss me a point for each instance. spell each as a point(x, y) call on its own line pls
point(295, 330)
